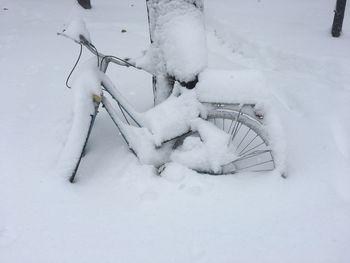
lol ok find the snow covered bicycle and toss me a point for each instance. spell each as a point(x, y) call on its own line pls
point(191, 127)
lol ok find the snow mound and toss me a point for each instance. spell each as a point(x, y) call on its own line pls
point(225, 86)
point(172, 117)
point(207, 151)
point(142, 142)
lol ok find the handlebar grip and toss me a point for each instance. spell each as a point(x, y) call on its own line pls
point(84, 41)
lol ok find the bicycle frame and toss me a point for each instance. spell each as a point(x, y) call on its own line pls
point(108, 86)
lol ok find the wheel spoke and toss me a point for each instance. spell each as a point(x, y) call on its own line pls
point(254, 165)
point(256, 136)
point(253, 154)
point(230, 126)
point(237, 130)
point(253, 148)
point(244, 138)
point(236, 121)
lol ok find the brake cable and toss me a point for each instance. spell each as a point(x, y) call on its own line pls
point(75, 65)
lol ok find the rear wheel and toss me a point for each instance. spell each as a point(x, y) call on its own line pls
point(248, 140)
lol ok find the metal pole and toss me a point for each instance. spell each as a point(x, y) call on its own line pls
point(85, 3)
point(338, 18)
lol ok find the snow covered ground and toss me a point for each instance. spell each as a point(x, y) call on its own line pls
point(119, 211)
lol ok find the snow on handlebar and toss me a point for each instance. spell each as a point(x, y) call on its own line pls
point(103, 58)
point(77, 31)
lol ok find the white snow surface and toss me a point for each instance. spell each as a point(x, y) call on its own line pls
point(233, 86)
point(119, 210)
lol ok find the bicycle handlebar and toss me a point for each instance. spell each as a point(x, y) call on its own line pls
point(105, 59)
point(89, 46)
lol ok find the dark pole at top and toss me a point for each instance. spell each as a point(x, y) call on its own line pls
point(85, 4)
point(338, 18)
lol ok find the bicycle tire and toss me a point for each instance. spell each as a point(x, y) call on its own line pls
point(250, 141)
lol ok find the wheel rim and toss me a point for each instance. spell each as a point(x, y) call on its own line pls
point(248, 142)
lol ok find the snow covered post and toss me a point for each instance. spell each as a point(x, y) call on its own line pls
point(154, 78)
point(85, 3)
point(338, 18)
point(162, 83)
point(175, 28)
